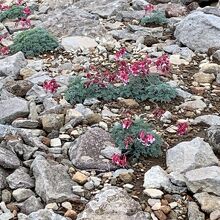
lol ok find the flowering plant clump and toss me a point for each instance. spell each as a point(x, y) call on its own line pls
point(182, 128)
point(136, 140)
point(119, 160)
point(129, 80)
point(153, 16)
point(51, 86)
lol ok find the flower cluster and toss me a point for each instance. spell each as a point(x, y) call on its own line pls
point(182, 128)
point(51, 86)
point(126, 123)
point(4, 7)
point(126, 70)
point(146, 138)
point(119, 160)
point(149, 8)
point(158, 112)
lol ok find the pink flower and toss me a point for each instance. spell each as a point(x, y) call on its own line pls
point(51, 85)
point(120, 53)
point(158, 112)
point(4, 7)
point(4, 50)
point(182, 128)
point(19, 2)
point(120, 160)
point(27, 11)
point(163, 64)
point(128, 140)
point(149, 8)
point(123, 76)
point(126, 123)
point(146, 138)
point(3, 36)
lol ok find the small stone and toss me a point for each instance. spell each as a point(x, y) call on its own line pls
point(52, 122)
point(204, 77)
point(160, 215)
point(22, 194)
point(80, 178)
point(153, 193)
point(128, 186)
point(215, 215)
point(194, 212)
point(71, 214)
point(173, 205)
point(6, 196)
point(126, 177)
point(156, 206)
point(67, 205)
point(165, 209)
point(152, 202)
point(129, 103)
point(52, 206)
point(55, 142)
point(78, 190)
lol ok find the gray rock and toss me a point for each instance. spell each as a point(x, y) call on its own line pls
point(214, 137)
point(78, 42)
point(109, 151)
point(13, 108)
point(6, 196)
point(8, 159)
point(194, 212)
point(189, 155)
point(22, 194)
point(190, 31)
point(207, 119)
point(30, 205)
point(216, 56)
point(6, 129)
point(20, 179)
point(208, 203)
point(138, 4)
point(52, 122)
point(111, 203)
point(215, 215)
point(11, 65)
point(205, 179)
point(6, 216)
point(45, 214)
point(25, 123)
point(36, 93)
point(72, 21)
point(85, 151)
point(177, 179)
point(24, 150)
point(53, 184)
point(194, 105)
point(3, 176)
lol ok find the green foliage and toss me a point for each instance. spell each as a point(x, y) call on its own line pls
point(156, 17)
point(136, 149)
point(34, 42)
point(138, 88)
point(16, 11)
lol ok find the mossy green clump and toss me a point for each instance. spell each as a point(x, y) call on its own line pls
point(156, 17)
point(34, 42)
point(15, 12)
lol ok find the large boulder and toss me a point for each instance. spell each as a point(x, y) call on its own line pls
point(53, 183)
point(214, 137)
point(11, 65)
point(189, 155)
point(210, 120)
point(12, 109)
point(113, 203)
point(199, 31)
point(206, 179)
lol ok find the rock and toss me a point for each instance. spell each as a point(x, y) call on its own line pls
point(175, 10)
point(129, 103)
point(216, 56)
point(67, 205)
point(13, 108)
point(206, 179)
point(214, 138)
point(215, 215)
point(78, 42)
point(71, 214)
point(85, 151)
point(22, 194)
point(109, 151)
point(176, 60)
point(20, 179)
point(52, 206)
point(18, 88)
point(25, 123)
point(153, 193)
point(72, 114)
point(165, 209)
point(204, 77)
point(177, 179)
point(110, 203)
point(3, 175)
point(126, 177)
point(207, 119)
point(190, 31)
point(211, 68)
point(55, 142)
point(189, 155)
point(36, 93)
point(6, 196)
point(53, 184)
point(72, 21)
point(194, 212)
point(30, 205)
point(194, 105)
point(52, 122)
point(45, 214)
point(209, 203)
point(8, 159)
point(78, 190)
point(80, 178)
point(11, 65)
point(160, 215)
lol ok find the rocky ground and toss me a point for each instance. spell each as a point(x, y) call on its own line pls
point(55, 158)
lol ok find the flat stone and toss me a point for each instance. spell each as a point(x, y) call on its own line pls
point(3, 175)
point(204, 77)
point(78, 42)
point(153, 193)
point(12, 109)
point(194, 212)
point(53, 184)
point(45, 214)
point(189, 155)
point(52, 122)
point(194, 105)
point(22, 194)
point(111, 203)
point(25, 123)
point(80, 178)
point(8, 159)
point(209, 203)
point(205, 179)
point(215, 215)
point(85, 151)
point(207, 119)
